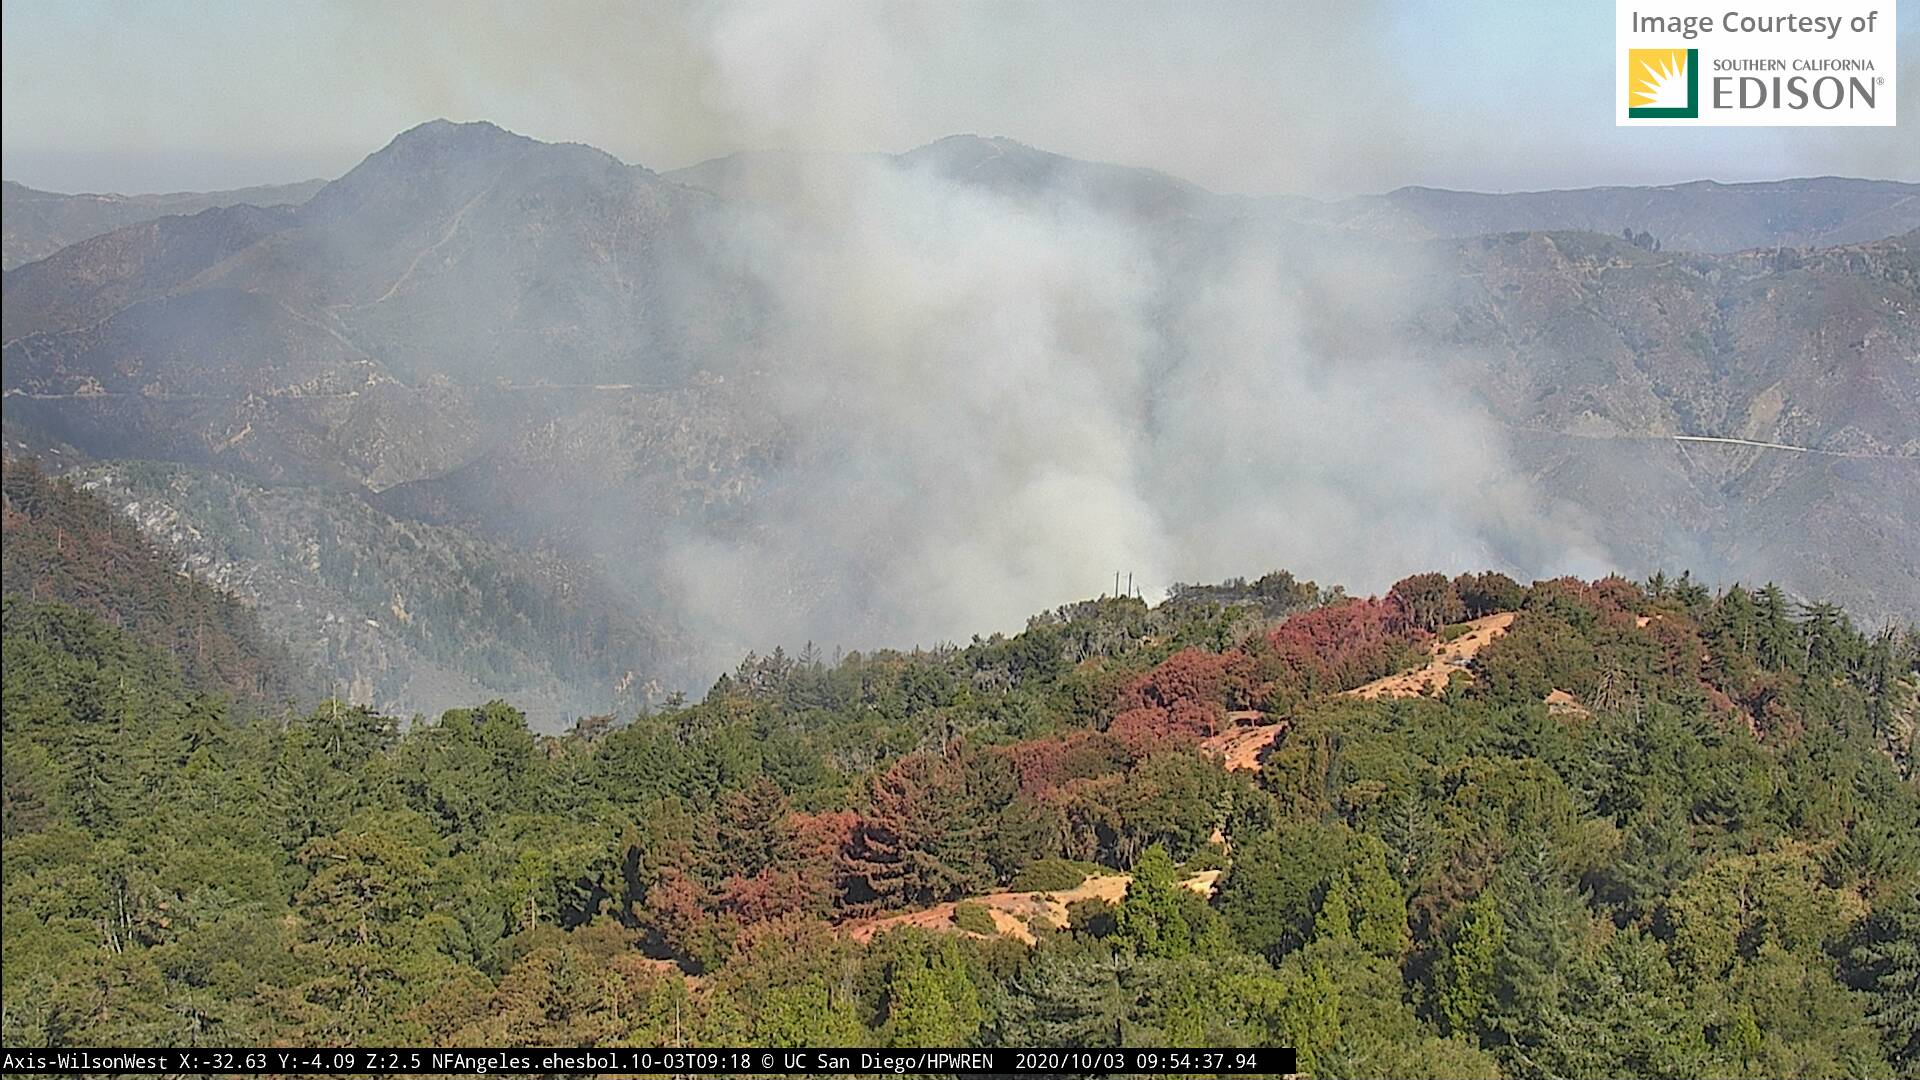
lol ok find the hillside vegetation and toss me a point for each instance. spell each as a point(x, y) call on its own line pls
point(401, 614)
point(63, 546)
point(1707, 866)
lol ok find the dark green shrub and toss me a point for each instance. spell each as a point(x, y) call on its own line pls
point(1052, 875)
point(973, 917)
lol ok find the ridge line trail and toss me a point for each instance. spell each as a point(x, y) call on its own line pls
point(1014, 912)
point(1721, 440)
point(1245, 748)
point(1785, 446)
point(452, 227)
point(1444, 658)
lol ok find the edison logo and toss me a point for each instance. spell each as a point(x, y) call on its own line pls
point(1663, 84)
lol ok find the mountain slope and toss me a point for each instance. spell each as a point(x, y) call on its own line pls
point(403, 615)
point(1598, 353)
point(81, 285)
point(459, 249)
point(64, 546)
point(1592, 336)
point(1701, 216)
point(39, 223)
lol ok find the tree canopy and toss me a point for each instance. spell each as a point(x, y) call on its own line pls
point(1704, 865)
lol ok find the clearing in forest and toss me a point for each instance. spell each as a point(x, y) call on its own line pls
point(1016, 914)
point(1244, 746)
point(1243, 749)
point(1445, 658)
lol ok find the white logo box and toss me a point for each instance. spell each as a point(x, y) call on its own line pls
point(1814, 63)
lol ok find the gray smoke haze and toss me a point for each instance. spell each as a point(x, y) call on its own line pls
point(999, 397)
point(1002, 393)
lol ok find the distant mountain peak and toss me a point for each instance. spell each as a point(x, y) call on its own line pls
point(442, 131)
point(441, 142)
point(966, 138)
point(967, 149)
point(433, 168)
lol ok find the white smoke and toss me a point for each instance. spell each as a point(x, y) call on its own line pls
point(997, 396)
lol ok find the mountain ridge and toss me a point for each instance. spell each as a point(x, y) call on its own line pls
point(40, 223)
point(539, 344)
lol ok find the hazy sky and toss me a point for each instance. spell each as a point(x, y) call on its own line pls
point(1315, 96)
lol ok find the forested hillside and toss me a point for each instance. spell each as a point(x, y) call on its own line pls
point(1642, 830)
point(64, 546)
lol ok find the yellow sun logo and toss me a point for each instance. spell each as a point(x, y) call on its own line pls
point(1663, 83)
